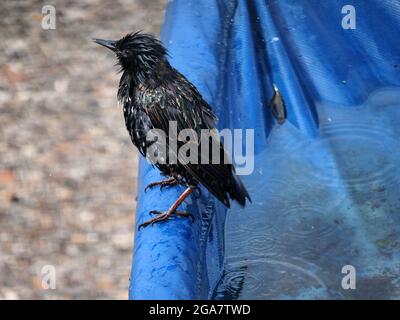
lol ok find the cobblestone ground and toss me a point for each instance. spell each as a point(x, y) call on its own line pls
point(67, 167)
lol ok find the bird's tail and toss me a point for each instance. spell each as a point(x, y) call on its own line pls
point(238, 191)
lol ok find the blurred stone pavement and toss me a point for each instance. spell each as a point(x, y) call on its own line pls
point(67, 166)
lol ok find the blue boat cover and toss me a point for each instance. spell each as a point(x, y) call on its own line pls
point(325, 211)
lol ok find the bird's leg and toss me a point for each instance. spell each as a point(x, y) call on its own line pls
point(163, 216)
point(163, 183)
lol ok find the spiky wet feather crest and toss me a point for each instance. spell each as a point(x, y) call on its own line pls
point(139, 52)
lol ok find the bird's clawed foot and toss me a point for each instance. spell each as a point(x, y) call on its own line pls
point(164, 216)
point(163, 183)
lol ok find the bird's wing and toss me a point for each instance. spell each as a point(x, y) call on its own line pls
point(180, 101)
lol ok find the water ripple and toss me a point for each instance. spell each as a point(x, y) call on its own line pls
point(353, 155)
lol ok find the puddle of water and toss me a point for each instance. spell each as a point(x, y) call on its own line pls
point(320, 204)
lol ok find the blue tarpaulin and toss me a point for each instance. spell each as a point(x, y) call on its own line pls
point(325, 185)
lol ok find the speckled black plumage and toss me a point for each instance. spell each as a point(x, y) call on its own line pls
point(153, 93)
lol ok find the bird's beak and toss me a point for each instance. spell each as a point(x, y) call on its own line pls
point(110, 44)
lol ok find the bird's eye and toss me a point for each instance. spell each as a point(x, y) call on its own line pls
point(125, 52)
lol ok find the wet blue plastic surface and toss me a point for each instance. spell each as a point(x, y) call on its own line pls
point(325, 187)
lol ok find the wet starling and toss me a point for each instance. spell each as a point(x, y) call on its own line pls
point(152, 94)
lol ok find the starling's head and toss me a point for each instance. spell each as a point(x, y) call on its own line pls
point(136, 51)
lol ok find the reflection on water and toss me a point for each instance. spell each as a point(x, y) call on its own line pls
point(320, 204)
